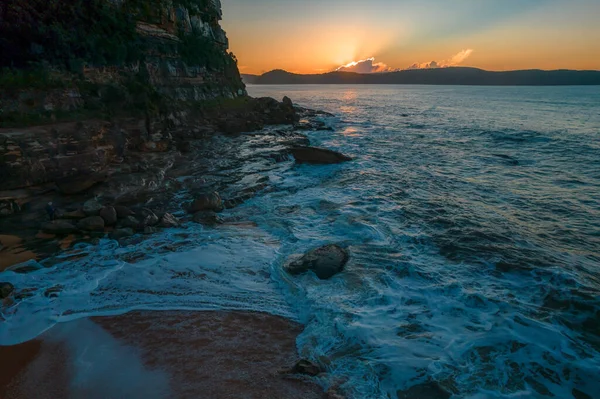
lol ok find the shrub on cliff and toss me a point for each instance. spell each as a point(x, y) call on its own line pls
point(66, 33)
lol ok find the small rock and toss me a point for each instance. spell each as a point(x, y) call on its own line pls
point(109, 214)
point(59, 227)
point(122, 211)
point(307, 368)
point(93, 223)
point(92, 208)
point(131, 222)
point(75, 215)
point(121, 233)
point(150, 230)
point(6, 289)
point(207, 218)
point(27, 267)
point(168, 220)
point(325, 262)
point(315, 155)
point(53, 292)
point(207, 202)
point(149, 218)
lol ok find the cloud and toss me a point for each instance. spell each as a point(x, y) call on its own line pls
point(365, 66)
point(457, 59)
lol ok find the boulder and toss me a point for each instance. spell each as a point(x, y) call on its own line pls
point(325, 262)
point(79, 184)
point(287, 102)
point(207, 202)
point(168, 220)
point(109, 214)
point(122, 211)
point(307, 368)
point(130, 222)
point(316, 155)
point(207, 218)
point(93, 223)
point(121, 233)
point(59, 227)
point(92, 208)
point(149, 218)
point(6, 289)
point(74, 215)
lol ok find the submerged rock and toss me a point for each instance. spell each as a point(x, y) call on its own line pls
point(325, 262)
point(315, 155)
point(93, 223)
point(430, 390)
point(207, 218)
point(59, 227)
point(207, 202)
point(27, 267)
point(92, 207)
point(6, 289)
point(109, 214)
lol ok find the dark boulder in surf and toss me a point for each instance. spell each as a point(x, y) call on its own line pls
point(6, 289)
point(307, 368)
point(325, 262)
point(206, 202)
point(315, 155)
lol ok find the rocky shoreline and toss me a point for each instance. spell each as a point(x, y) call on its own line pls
point(186, 173)
point(109, 179)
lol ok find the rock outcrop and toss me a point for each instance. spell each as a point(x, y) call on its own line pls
point(325, 262)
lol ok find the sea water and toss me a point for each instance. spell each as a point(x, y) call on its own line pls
point(472, 216)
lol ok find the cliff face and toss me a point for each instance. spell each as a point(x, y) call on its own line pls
point(105, 56)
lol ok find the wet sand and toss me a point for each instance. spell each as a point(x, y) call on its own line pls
point(171, 354)
point(12, 252)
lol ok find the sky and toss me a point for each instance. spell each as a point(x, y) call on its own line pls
point(317, 36)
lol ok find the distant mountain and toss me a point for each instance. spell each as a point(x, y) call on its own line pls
point(441, 76)
point(249, 79)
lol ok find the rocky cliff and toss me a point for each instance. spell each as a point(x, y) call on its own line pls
point(80, 58)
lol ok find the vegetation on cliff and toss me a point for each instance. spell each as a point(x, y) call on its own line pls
point(97, 50)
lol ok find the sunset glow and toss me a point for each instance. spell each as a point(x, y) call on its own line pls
point(318, 36)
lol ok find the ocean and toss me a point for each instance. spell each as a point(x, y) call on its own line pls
point(472, 216)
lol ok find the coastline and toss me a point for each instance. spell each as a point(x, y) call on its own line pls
point(179, 354)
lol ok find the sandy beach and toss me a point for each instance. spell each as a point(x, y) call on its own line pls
point(171, 354)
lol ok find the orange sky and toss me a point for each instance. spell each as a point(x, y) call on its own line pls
point(319, 36)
